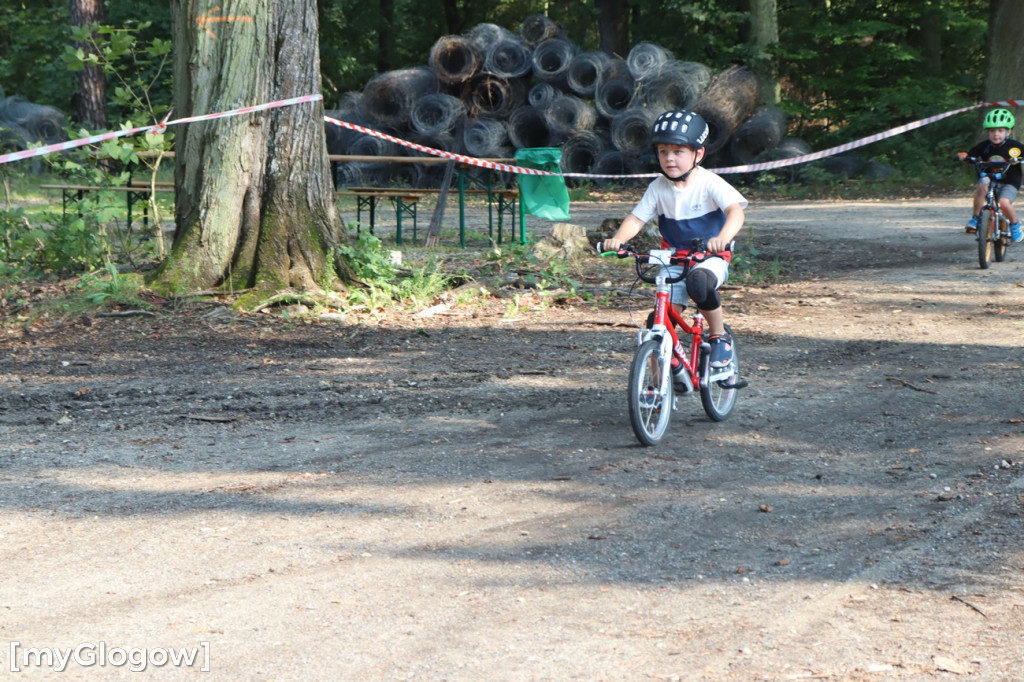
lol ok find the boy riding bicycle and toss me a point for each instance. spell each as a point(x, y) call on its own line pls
point(690, 202)
point(998, 123)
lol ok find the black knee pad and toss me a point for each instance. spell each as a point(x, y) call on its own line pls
point(701, 288)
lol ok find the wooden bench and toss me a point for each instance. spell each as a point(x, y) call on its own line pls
point(405, 201)
point(367, 197)
point(133, 192)
point(471, 180)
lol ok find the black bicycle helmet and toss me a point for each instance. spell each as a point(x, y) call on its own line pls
point(680, 127)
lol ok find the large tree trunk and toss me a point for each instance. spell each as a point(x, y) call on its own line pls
point(613, 26)
point(254, 201)
point(90, 102)
point(1005, 77)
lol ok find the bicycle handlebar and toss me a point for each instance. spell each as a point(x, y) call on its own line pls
point(698, 252)
point(995, 169)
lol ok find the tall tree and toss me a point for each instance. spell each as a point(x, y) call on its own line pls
point(90, 102)
point(254, 200)
point(764, 35)
point(1005, 77)
point(386, 36)
point(613, 26)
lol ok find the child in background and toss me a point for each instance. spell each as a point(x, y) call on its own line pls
point(998, 147)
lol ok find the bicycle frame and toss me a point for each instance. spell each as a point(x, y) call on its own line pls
point(653, 386)
point(664, 323)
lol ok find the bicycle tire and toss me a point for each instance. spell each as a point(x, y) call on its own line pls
point(650, 407)
point(985, 228)
point(999, 240)
point(717, 397)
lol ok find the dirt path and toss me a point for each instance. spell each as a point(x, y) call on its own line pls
point(461, 497)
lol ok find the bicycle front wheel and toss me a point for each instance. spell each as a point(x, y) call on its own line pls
point(999, 238)
point(719, 397)
point(650, 394)
point(986, 235)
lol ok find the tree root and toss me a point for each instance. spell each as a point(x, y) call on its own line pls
point(289, 297)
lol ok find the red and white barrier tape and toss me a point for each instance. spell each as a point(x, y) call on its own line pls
point(864, 141)
point(157, 128)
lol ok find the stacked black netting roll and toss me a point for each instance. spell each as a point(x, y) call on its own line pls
point(492, 96)
point(675, 85)
point(527, 128)
point(631, 130)
point(764, 130)
point(729, 99)
point(339, 139)
point(584, 70)
point(437, 113)
point(537, 28)
point(486, 138)
point(567, 115)
point(27, 122)
point(483, 35)
point(551, 60)
point(646, 59)
point(611, 162)
point(389, 97)
point(454, 59)
point(508, 58)
point(615, 89)
point(541, 95)
point(787, 148)
point(494, 90)
point(581, 151)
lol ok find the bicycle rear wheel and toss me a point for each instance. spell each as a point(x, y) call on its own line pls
point(719, 397)
point(986, 228)
point(999, 238)
point(650, 397)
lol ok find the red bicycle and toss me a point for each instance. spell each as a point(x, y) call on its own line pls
point(652, 383)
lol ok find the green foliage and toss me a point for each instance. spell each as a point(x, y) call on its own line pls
point(138, 70)
point(59, 247)
point(109, 287)
point(29, 33)
point(880, 71)
point(382, 283)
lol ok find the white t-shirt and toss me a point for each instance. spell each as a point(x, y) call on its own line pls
point(696, 210)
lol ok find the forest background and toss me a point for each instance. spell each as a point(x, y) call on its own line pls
point(846, 68)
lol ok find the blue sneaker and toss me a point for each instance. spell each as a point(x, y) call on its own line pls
point(721, 351)
point(972, 225)
point(1015, 233)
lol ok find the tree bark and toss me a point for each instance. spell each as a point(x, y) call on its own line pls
point(90, 102)
point(1005, 76)
point(764, 33)
point(254, 201)
point(613, 26)
point(386, 36)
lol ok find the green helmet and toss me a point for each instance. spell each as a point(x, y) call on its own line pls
point(998, 118)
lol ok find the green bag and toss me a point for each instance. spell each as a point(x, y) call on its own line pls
point(543, 196)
